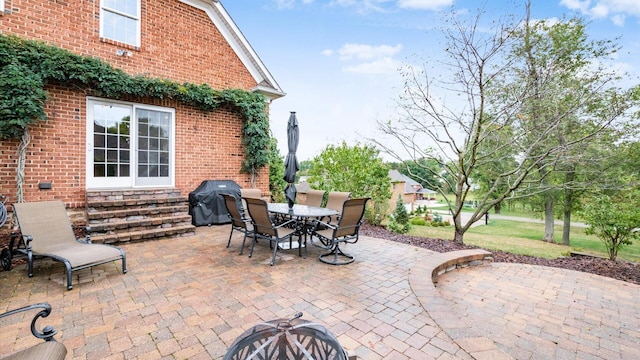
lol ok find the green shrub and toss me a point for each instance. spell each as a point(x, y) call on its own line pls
point(399, 222)
point(418, 221)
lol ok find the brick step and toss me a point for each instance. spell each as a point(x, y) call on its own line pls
point(120, 204)
point(151, 234)
point(136, 212)
point(101, 195)
point(124, 225)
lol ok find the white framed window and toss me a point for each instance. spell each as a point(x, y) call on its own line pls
point(129, 145)
point(1, 7)
point(120, 21)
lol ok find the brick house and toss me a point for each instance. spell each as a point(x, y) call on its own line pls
point(171, 147)
point(410, 191)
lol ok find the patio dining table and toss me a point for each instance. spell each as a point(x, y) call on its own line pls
point(303, 214)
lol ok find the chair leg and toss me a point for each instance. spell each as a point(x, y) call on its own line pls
point(335, 253)
point(253, 243)
point(243, 241)
point(124, 261)
point(69, 274)
point(30, 263)
point(275, 251)
point(231, 233)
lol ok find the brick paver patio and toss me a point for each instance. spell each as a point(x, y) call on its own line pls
point(189, 298)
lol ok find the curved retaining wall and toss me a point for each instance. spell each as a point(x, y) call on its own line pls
point(455, 325)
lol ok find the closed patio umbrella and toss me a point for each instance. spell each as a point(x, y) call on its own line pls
point(291, 162)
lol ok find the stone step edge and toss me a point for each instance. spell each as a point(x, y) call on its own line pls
point(186, 230)
point(177, 209)
point(136, 202)
point(125, 224)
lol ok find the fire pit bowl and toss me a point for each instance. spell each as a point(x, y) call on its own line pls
point(282, 339)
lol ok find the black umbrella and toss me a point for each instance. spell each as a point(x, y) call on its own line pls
point(291, 162)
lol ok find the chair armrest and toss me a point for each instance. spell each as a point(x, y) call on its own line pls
point(285, 223)
point(47, 332)
point(26, 241)
point(316, 223)
point(87, 234)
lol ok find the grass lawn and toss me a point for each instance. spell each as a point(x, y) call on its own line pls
point(523, 238)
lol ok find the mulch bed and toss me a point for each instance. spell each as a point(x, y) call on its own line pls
point(620, 270)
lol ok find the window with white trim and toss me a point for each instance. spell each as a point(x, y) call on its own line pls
point(1, 7)
point(129, 145)
point(120, 21)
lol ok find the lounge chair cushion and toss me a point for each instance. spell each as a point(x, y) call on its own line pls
point(53, 236)
point(46, 350)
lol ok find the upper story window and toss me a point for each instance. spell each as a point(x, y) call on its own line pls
point(1, 7)
point(120, 21)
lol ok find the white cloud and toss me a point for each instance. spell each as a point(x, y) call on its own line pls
point(360, 51)
point(288, 4)
point(362, 6)
point(327, 52)
point(616, 10)
point(284, 4)
point(424, 4)
point(384, 65)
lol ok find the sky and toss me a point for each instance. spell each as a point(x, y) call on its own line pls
point(339, 61)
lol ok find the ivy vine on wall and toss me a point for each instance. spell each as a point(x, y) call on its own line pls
point(27, 66)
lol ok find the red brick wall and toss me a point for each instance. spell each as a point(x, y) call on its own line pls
point(178, 42)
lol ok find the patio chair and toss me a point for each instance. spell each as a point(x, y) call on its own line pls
point(238, 221)
point(248, 193)
point(335, 200)
point(50, 349)
point(264, 228)
point(345, 231)
point(315, 198)
point(46, 231)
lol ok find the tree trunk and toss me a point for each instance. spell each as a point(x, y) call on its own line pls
point(459, 232)
point(496, 208)
point(548, 220)
point(22, 156)
point(568, 205)
point(458, 237)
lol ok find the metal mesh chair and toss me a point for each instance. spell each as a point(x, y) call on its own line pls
point(46, 231)
point(335, 200)
point(264, 227)
point(315, 198)
point(238, 221)
point(345, 231)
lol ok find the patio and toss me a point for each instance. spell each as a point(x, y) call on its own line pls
point(191, 297)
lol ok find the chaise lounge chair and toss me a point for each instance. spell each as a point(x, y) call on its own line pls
point(46, 232)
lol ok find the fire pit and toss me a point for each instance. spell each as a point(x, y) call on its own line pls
point(283, 339)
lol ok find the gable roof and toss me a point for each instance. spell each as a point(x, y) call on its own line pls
point(410, 186)
point(267, 84)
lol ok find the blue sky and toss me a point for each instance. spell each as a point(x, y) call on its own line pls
point(338, 60)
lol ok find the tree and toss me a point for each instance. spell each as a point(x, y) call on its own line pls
point(21, 102)
point(276, 172)
point(357, 169)
point(400, 220)
point(559, 65)
point(498, 113)
point(614, 220)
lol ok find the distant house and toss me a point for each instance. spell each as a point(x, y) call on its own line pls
point(408, 189)
point(94, 149)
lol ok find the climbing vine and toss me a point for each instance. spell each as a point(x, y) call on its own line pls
point(27, 66)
